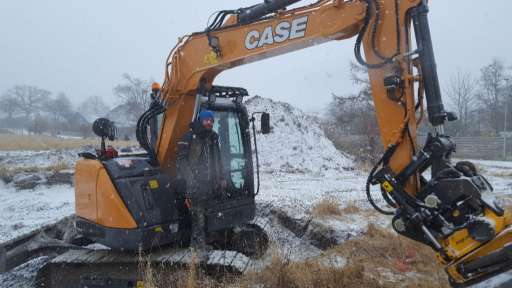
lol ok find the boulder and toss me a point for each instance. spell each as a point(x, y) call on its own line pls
point(27, 181)
point(61, 177)
point(7, 179)
point(298, 225)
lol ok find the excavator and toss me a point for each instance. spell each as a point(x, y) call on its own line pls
point(130, 203)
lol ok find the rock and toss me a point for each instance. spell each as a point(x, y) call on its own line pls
point(297, 225)
point(7, 179)
point(323, 233)
point(27, 181)
point(329, 232)
point(321, 236)
point(61, 177)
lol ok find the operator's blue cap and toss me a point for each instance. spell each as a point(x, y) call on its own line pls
point(206, 114)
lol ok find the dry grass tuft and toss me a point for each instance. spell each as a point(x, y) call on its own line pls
point(59, 166)
point(351, 208)
point(331, 207)
point(43, 142)
point(327, 207)
point(502, 174)
point(192, 279)
point(4, 171)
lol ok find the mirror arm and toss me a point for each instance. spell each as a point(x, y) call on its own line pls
point(256, 152)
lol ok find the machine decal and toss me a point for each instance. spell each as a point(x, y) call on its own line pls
point(282, 32)
point(153, 184)
point(210, 58)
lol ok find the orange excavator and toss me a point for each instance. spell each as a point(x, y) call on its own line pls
point(130, 203)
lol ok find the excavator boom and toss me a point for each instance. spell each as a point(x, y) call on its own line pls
point(451, 212)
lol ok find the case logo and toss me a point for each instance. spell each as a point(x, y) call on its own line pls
point(282, 32)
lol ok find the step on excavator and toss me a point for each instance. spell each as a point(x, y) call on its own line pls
point(135, 202)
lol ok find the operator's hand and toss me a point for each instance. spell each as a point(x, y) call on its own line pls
point(188, 203)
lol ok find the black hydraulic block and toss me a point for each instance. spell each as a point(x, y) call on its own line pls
point(255, 12)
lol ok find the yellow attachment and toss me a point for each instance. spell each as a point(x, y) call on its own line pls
point(387, 187)
point(503, 238)
point(460, 243)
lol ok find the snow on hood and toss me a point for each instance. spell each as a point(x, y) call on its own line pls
point(297, 143)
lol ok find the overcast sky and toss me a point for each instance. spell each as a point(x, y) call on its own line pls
point(82, 48)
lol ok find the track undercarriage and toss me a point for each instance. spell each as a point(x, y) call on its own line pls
point(78, 262)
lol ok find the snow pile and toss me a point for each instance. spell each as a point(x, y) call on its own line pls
point(297, 143)
point(299, 165)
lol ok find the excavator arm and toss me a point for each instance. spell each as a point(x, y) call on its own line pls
point(450, 212)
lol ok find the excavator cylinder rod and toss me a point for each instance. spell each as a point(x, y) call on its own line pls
point(253, 13)
point(436, 113)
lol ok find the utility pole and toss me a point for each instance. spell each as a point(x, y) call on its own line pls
point(507, 95)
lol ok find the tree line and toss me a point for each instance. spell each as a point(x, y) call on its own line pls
point(482, 102)
point(31, 109)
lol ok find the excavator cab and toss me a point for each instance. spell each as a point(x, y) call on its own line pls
point(130, 202)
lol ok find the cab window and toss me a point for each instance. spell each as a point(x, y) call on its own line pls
point(227, 125)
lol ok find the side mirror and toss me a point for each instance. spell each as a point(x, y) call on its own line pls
point(104, 128)
point(265, 123)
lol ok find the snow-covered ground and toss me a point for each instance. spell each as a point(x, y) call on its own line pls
point(27, 210)
point(299, 167)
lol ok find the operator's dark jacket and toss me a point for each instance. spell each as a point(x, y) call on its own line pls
point(199, 162)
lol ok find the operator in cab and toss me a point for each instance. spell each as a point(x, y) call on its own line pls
point(199, 164)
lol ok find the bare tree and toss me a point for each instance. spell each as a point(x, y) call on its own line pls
point(39, 124)
point(355, 114)
point(9, 105)
point(30, 98)
point(461, 93)
point(491, 94)
point(94, 106)
point(59, 109)
point(134, 93)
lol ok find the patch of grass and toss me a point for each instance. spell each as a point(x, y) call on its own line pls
point(502, 174)
point(327, 207)
point(379, 249)
point(286, 274)
point(58, 166)
point(154, 275)
point(9, 142)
